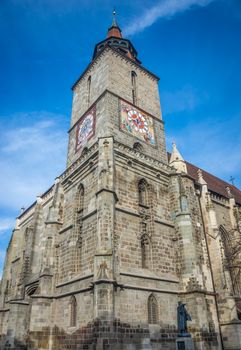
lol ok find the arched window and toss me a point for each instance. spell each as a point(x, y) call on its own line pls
point(138, 147)
point(152, 310)
point(73, 311)
point(143, 192)
point(88, 90)
point(80, 198)
point(133, 87)
point(145, 251)
point(226, 242)
point(85, 151)
point(232, 256)
point(79, 211)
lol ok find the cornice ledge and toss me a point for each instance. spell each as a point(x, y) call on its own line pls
point(78, 162)
point(142, 156)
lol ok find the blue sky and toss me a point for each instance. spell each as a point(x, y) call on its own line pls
point(193, 45)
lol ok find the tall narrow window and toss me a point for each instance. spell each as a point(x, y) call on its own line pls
point(133, 87)
point(226, 242)
point(79, 210)
point(152, 310)
point(143, 192)
point(88, 90)
point(145, 251)
point(73, 311)
point(232, 256)
point(80, 198)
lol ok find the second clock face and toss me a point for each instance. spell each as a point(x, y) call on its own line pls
point(137, 123)
point(85, 130)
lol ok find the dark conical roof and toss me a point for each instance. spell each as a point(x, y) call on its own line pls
point(116, 41)
point(114, 30)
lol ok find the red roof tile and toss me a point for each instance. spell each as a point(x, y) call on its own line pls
point(215, 184)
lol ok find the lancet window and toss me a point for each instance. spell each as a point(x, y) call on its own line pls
point(152, 310)
point(232, 259)
point(79, 208)
point(133, 87)
point(226, 241)
point(80, 199)
point(145, 251)
point(143, 192)
point(88, 90)
point(73, 311)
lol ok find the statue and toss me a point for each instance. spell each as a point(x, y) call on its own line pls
point(182, 318)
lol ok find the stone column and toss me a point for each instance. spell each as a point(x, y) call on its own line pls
point(104, 260)
point(40, 328)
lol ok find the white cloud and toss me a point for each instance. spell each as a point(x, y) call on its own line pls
point(185, 99)
point(164, 8)
point(30, 157)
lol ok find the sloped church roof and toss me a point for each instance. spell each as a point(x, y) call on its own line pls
point(215, 184)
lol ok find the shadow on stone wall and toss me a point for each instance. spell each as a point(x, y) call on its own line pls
point(12, 344)
point(107, 335)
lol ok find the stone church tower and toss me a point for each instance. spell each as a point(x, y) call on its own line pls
point(101, 259)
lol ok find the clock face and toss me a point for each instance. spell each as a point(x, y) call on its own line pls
point(85, 129)
point(137, 123)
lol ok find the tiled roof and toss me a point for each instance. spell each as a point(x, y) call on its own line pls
point(215, 184)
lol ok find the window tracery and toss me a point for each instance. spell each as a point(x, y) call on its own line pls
point(232, 257)
point(143, 192)
point(152, 310)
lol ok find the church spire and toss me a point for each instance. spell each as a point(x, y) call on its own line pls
point(117, 42)
point(114, 22)
point(114, 30)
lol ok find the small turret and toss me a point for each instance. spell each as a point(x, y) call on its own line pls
point(177, 160)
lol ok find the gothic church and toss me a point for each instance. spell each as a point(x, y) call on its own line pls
point(101, 259)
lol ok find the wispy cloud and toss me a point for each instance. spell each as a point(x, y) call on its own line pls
point(163, 9)
point(185, 99)
point(31, 156)
point(32, 153)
